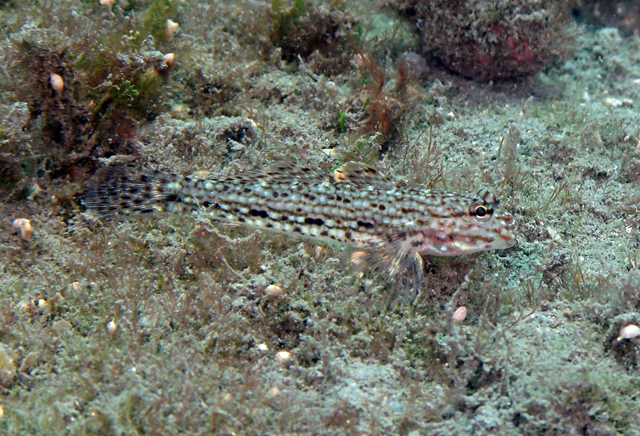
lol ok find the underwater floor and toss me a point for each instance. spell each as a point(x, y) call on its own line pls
point(178, 324)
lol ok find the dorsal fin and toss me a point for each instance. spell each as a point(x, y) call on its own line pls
point(362, 175)
point(282, 172)
point(287, 171)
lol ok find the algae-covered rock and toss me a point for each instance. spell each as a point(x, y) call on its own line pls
point(487, 40)
point(305, 30)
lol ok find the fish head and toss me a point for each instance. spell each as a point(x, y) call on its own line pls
point(466, 224)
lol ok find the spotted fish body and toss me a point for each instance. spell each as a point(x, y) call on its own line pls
point(389, 226)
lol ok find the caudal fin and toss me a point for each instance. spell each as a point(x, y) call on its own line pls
point(114, 191)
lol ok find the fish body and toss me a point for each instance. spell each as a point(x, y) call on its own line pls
point(388, 226)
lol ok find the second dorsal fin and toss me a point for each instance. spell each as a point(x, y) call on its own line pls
point(281, 172)
point(362, 175)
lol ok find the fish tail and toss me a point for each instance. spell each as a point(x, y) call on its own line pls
point(124, 190)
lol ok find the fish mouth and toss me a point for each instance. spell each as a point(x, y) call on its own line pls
point(473, 244)
point(513, 242)
point(505, 239)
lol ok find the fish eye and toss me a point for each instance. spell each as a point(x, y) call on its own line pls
point(480, 211)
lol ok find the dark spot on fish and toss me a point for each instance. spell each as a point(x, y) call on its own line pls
point(260, 213)
point(172, 198)
point(247, 191)
point(314, 221)
point(366, 225)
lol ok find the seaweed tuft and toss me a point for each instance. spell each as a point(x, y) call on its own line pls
point(87, 91)
point(324, 35)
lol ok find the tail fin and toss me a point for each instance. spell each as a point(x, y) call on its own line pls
point(124, 190)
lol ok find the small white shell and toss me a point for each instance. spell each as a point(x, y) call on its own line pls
point(273, 391)
point(112, 327)
point(172, 27)
point(612, 102)
point(629, 331)
point(170, 59)
point(459, 315)
point(56, 82)
point(274, 291)
point(107, 2)
point(283, 357)
point(24, 225)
